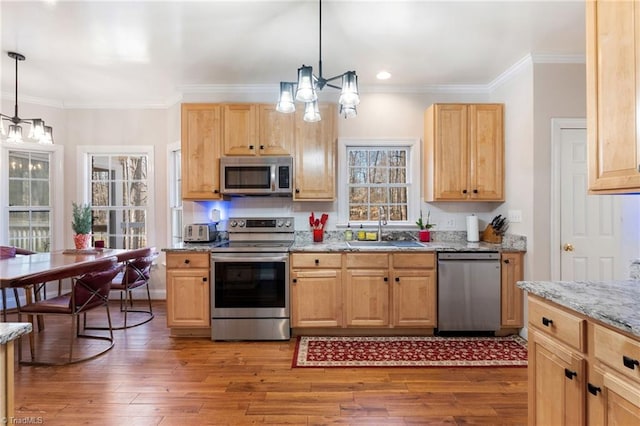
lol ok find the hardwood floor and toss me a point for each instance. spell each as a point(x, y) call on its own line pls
point(149, 378)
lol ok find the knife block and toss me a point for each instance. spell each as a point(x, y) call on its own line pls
point(489, 235)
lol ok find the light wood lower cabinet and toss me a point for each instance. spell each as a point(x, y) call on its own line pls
point(563, 346)
point(188, 301)
point(414, 286)
point(316, 290)
point(511, 297)
point(366, 290)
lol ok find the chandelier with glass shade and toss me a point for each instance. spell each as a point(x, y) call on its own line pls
point(38, 130)
point(308, 85)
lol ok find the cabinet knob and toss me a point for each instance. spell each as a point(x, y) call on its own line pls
point(593, 389)
point(297, 190)
point(261, 146)
point(546, 321)
point(569, 374)
point(204, 279)
point(250, 146)
point(215, 191)
point(630, 362)
point(397, 279)
point(386, 279)
point(475, 191)
point(295, 280)
point(464, 191)
point(317, 261)
point(187, 261)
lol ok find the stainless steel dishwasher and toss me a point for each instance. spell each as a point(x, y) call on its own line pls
point(469, 291)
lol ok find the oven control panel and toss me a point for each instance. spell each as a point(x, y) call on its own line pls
point(279, 224)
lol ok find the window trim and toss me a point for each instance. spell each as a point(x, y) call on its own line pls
point(84, 190)
point(171, 178)
point(56, 167)
point(414, 178)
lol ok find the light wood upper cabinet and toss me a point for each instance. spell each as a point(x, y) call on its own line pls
point(200, 151)
point(464, 152)
point(512, 297)
point(613, 72)
point(257, 129)
point(315, 156)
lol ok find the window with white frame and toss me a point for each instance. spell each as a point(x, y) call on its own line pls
point(120, 193)
point(175, 194)
point(30, 172)
point(381, 176)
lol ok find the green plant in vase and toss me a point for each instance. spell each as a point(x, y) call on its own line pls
point(424, 234)
point(81, 225)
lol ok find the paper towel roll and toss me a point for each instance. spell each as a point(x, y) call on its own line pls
point(473, 234)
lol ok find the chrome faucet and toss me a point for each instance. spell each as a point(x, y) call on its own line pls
point(381, 221)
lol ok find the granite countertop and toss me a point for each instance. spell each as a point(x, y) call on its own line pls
point(12, 330)
point(612, 302)
point(341, 246)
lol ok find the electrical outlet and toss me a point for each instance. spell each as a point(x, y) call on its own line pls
point(451, 223)
point(515, 216)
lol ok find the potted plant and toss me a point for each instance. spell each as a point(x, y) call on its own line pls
point(424, 233)
point(81, 225)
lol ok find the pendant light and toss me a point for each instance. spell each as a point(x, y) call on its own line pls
point(38, 131)
point(308, 85)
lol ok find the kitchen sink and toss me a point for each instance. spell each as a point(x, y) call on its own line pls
point(382, 244)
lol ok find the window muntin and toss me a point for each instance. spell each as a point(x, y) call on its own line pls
point(120, 199)
point(30, 210)
point(378, 177)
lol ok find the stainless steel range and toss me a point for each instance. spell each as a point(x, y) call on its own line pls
point(250, 280)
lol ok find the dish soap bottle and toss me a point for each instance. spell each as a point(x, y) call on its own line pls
point(361, 233)
point(348, 234)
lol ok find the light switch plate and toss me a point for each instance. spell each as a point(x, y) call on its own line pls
point(515, 216)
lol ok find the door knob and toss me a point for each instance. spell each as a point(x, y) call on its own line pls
point(567, 247)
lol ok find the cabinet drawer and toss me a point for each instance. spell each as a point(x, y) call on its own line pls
point(188, 260)
point(316, 260)
point(617, 351)
point(413, 260)
point(560, 324)
point(367, 260)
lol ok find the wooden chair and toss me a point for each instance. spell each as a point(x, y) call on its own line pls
point(88, 292)
point(135, 275)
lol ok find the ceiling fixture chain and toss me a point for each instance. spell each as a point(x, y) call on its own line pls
point(308, 85)
point(38, 131)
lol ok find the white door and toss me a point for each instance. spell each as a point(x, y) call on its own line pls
point(589, 224)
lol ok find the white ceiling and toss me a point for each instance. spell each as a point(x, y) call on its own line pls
point(89, 53)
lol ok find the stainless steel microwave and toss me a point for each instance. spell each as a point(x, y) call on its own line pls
point(256, 176)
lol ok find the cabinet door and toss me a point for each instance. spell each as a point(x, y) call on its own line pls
point(200, 151)
point(556, 383)
point(613, 58)
point(188, 303)
point(315, 157)
point(367, 297)
point(446, 139)
point(240, 129)
point(276, 131)
point(512, 297)
point(316, 298)
point(486, 152)
point(414, 298)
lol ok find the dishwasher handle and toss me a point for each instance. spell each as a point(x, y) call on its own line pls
point(474, 255)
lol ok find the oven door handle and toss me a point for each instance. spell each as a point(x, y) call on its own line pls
point(235, 258)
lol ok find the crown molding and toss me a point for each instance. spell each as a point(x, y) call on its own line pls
point(527, 61)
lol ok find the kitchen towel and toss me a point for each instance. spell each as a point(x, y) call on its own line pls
point(473, 235)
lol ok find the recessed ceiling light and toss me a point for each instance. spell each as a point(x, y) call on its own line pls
point(383, 75)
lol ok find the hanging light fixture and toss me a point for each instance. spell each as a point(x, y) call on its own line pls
point(308, 85)
point(38, 131)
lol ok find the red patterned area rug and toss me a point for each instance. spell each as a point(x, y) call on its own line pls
point(429, 351)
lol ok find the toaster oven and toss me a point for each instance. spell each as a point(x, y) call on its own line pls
point(200, 233)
